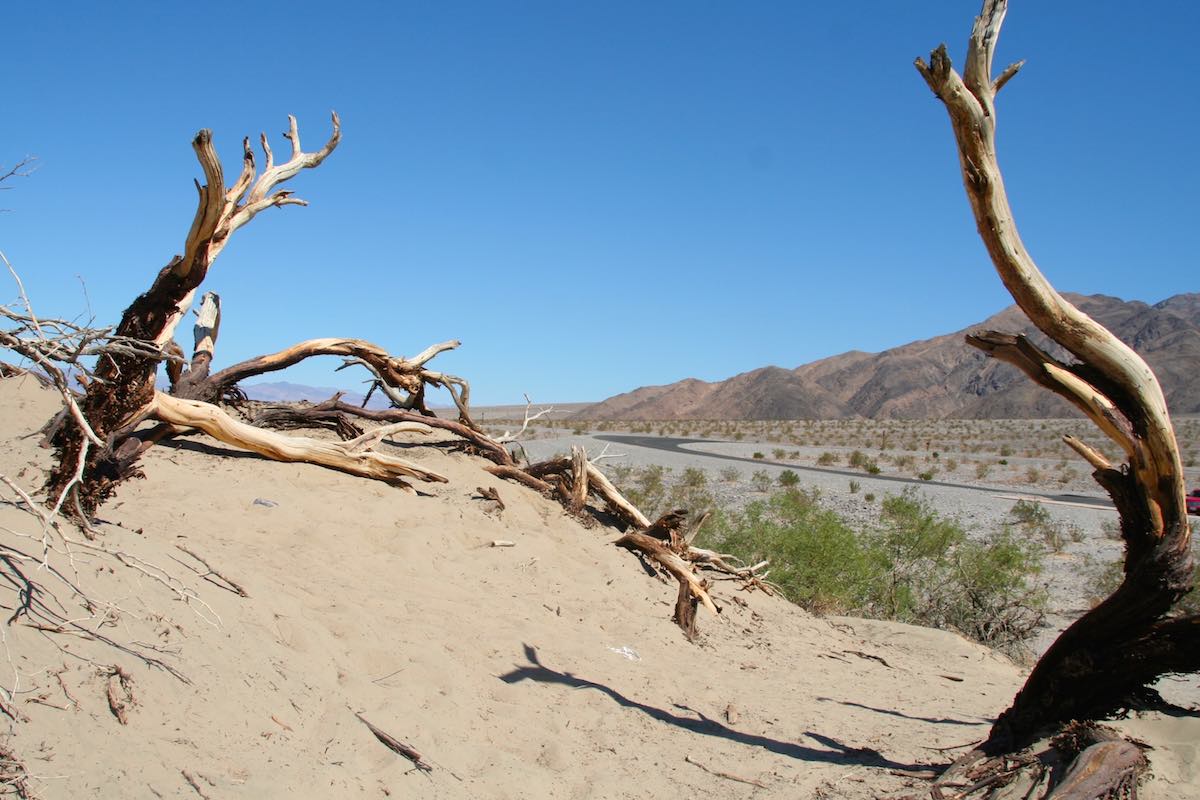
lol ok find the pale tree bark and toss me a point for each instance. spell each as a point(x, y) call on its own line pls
point(1103, 661)
point(122, 386)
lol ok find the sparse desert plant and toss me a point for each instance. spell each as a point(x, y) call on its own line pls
point(761, 480)
point(1036, 522)
point(869, 497)
point(779, 454)
point(758, 454)
point(918, 567)
point(826, 459)
point(935, 576)
point(788, 478)
point(730, 474)
point(857, 459)
point(872, 468)
point(951, 464)
point(927, 475)
point(1033, 475)
point(854, 487)
point(816, 559)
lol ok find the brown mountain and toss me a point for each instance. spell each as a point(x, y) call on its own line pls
point(930, 379)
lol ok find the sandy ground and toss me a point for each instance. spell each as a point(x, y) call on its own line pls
point(548, 669)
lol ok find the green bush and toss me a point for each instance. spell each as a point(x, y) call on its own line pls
point(779, 454)
point(817, 561)
point(1036, 522)
point(916, 567)
point(854, 487)
point(758, 454)
point(826, 459)
point(788, 478)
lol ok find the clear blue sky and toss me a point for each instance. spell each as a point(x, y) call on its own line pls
point(596, 196)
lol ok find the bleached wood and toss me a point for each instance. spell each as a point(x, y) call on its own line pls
point(615, 500)
point(1122, 645)
point(224, 428)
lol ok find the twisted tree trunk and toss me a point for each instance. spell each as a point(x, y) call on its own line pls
point(121, 389)
point(1113, 652)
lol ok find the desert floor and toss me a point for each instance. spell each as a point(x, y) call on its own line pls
point(546, 669)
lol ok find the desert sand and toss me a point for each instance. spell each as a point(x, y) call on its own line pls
point(547, 669)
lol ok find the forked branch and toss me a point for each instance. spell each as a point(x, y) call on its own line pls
point(1115, 650)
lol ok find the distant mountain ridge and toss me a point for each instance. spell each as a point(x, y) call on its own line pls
point(933, 378)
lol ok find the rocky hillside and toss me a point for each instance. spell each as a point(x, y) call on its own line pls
point(934, 378)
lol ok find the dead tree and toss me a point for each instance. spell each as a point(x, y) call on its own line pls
point(1106, 659)
point(99, 448)
point(122, 387)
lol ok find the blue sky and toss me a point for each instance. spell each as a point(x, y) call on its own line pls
point(596, 196)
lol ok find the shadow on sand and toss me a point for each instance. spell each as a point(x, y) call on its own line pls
point(831, 751)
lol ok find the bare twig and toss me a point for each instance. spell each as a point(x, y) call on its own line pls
point(722, 774)
point(397, 746)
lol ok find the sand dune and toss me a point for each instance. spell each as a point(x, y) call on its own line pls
point(547, 669)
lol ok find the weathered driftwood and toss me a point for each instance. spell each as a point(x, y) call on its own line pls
point(1110, 654)
point(123, 385)
point(343, 456)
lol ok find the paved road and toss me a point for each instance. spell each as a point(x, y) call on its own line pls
point(674, 445)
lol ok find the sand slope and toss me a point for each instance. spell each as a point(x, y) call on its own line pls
point(549, 669)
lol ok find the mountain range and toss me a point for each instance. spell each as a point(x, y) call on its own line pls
point(936, 378)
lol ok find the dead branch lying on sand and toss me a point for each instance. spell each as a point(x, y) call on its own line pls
point(1107, 658)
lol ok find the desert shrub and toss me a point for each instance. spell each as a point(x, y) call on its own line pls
point(872, 468)
point(927, 475)
point(857, 459)
point(869, 497)
point(646, 489)
point(917, 567)
point(1005, 451)
point(826, 459)
point(779, 454)
point(1036, 522)
point(729, 474)
point(788, 478)
point(817, 561)
point(761, 480)
point(935, 576)
point(854, 487)
point(951, 464)
point(758, 454)
point(690, 491)
point(1033, 475)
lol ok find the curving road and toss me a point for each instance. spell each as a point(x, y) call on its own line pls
point(674, 445)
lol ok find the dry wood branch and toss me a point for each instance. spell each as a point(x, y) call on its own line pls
point(508, 436)
point(521, 476)
point(579, 481)
point(397, 746)
point(284, 415)
point(490, 493)
point(1105, 656)
point(123, 383)
point(726, 775)
point(119, 691)
point(614, 499)
point(671, 561)
point(231, 585)
point(216, 423)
